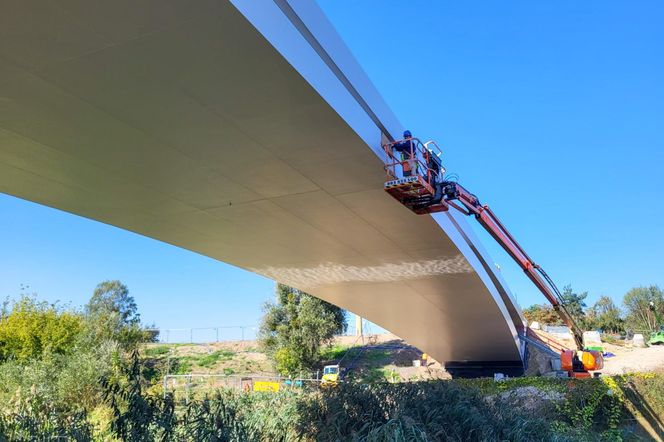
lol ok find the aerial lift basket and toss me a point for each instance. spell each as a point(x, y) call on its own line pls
point(412, 174)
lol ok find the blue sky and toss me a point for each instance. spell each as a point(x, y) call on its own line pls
point(551, 112)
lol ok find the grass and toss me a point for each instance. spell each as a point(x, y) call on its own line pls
point(207, 361)
point(371, 355)
point(184, 364)
point(376, 375)
point(159, 350)
point(334, 352)
point(181, 366)
point(197, 358)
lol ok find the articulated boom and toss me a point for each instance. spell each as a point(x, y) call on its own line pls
point(488, 220)
point(423, 189)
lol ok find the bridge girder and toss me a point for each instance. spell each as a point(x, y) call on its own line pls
point(224, 129)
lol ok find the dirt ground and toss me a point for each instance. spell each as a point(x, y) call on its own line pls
point(366, 340)
point(633, 359)
point(395, 363)
point(238, 357)
point(390, 354)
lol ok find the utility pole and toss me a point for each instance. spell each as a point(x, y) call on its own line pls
point(358, 326)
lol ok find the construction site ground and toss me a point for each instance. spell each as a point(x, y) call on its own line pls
point(626, 358)
point(369, 358)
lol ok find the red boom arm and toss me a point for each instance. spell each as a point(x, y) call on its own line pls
point(471, 206)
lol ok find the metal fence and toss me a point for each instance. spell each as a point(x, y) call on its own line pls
point(188, 386)
point(205, 334)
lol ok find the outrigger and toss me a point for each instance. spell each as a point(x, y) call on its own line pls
point(423, 188)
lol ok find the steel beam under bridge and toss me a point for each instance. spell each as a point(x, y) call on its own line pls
point(244, 131)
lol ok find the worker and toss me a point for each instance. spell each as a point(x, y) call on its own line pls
point(433, 163)
point(407, 152)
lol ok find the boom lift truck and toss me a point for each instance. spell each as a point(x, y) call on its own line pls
point(425, 189)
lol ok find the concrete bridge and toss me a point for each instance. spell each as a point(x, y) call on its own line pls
point(244, 131)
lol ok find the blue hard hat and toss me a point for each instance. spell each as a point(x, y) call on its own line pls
point(407, 134)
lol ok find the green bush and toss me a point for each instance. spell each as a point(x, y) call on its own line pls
point(32, 328)
point(28, 417)
point(60, 379)
point(51, 361)
point(470, 410)
point(136, 415)
point(421, 411)
point(287, 361)
point(418, 411)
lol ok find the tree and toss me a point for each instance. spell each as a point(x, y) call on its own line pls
point(575, 304)
point(112, 297)
point(113, 315)
point(605, 315)
point(545, 314)
point(294, 329)
point(542, 313)
point(639, 317)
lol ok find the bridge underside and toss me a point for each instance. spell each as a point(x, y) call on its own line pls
point(182, 122)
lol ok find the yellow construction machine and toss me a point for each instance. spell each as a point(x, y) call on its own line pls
point(330, 376)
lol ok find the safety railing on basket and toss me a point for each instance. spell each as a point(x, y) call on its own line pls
point(414, 158)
